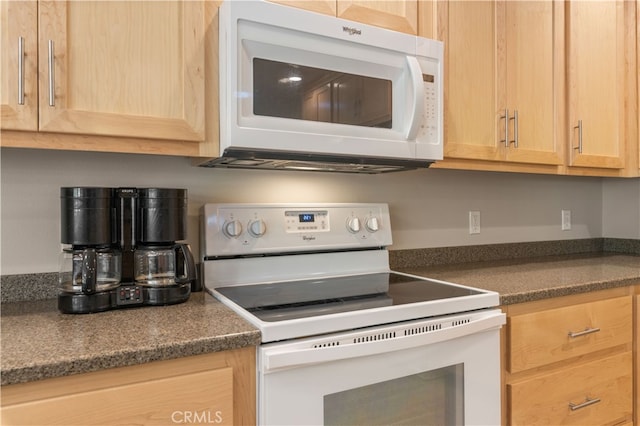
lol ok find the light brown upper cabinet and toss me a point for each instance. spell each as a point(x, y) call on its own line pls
point(399, 15)
point(18, 80)
point(125, 69)
point(503, 83)
point(600, 43)
point(328, 7)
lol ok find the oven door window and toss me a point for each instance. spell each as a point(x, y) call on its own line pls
point(433, 397)
point(288, 90)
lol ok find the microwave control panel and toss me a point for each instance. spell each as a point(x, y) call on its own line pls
point(429, 130)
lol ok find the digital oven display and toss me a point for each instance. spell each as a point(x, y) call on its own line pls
point(307, 217)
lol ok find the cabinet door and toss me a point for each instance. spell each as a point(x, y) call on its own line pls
point(18, 80)
point(201, 398)
point(595, 393)
point(542, 338)
point(401, 15)
point(328, 7)
point(530, 78)
point(122, 68)
point(348, 100)
point(637, 354)
point(376, 102)
point(317, 104)
point(596, 88)
point(468, 29)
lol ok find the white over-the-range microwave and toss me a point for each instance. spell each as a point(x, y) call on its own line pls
point(302, 90)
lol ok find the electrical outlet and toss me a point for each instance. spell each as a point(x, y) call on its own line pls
point(566, 220)
point(474, 222)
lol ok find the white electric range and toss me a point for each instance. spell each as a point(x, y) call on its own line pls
point(338, 325)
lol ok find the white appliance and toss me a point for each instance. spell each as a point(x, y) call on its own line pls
point(303, 90)
point(345, 339)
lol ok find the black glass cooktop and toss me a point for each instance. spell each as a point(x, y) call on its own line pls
point(307, 298)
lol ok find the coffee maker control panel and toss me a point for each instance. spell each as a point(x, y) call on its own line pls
point(129, 295)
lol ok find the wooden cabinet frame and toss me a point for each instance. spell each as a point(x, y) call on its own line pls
point(161, 376)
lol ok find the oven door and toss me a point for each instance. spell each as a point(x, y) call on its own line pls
point(436, 371)
point(295, 81)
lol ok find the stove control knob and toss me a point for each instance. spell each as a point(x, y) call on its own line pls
point(353, 225)
point(372, 224)
point(257, 228)
point(232, 228)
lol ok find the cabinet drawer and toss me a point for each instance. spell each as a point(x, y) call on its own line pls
point(545, 399)
point(553, 335)
point(205, 397)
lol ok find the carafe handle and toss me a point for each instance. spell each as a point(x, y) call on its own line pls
point(185, 251)
point(89, 266)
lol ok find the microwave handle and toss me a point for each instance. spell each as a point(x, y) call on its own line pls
point(415, 74)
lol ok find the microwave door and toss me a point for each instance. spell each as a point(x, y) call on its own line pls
point(334, 109)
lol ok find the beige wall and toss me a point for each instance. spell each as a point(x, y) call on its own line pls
point(429, 208)
point(621, 208)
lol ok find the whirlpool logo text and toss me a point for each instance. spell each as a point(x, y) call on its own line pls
point(352, 31)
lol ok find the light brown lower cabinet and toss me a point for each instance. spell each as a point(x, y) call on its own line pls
point(216, 388)
point(636, 390)
point(570, 360)
point(595, 392)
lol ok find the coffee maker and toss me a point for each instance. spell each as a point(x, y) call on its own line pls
point(122, 248)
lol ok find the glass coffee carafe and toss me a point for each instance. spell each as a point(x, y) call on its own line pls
point(159, 266)
point(89, 270)
point(90, 262)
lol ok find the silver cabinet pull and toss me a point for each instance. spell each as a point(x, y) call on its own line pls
point(515, 129)
point(587, 402)
point(584, 332)
point(20, 70)
point(52, 79)
point(579, 127)
point(505, 117)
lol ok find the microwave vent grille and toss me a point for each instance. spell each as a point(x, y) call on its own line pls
point(293, 161)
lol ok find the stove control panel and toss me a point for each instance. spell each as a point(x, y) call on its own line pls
point(250, 229)
point(302, 221)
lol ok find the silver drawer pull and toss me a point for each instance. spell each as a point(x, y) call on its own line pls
point(505, 117)
point(20, 70)
point(587, 402)
point(579, 127)
point(515, 129)
point(584, 332)
point(52, 78)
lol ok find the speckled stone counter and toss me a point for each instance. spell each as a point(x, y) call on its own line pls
point(525, 280)
point(39, 342)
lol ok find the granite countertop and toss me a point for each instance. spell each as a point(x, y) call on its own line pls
point(526, 280)
point(39, 342)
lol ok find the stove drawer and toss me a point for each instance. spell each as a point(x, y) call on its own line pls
point(596, 392)
point(544, 337)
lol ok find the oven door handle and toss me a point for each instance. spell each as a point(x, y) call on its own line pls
point(276, 358)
